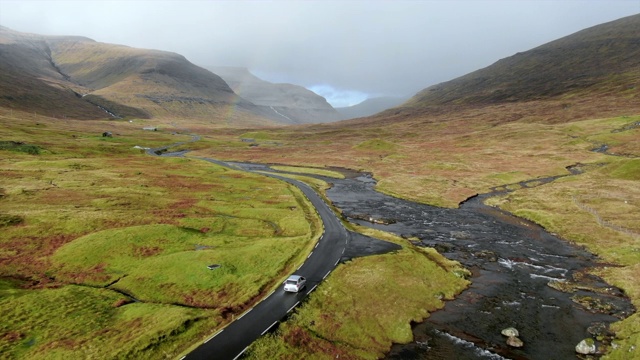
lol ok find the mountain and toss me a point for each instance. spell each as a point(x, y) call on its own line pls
point(598, 63)
point(370, 107)
point(292, 104)
point(77, 77)
point(29, 80)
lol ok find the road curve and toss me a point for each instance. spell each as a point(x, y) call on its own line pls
point(232, 341)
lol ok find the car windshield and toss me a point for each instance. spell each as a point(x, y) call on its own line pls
point(291, 282)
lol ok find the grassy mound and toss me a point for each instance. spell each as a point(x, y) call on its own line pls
point(111, 246)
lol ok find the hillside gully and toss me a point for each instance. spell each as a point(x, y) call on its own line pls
point(512, 262)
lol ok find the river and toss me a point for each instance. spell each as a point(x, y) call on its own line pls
point(512, 261)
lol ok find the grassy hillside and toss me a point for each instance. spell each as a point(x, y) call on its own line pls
point(76, 77)
point(30, 82)
point(602, 61)
point(97, 238)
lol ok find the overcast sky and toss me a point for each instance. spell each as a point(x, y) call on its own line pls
point(344, 50)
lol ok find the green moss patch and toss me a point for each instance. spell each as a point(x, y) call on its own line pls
point(20, 147)
point(376, 145)
point(628, 169)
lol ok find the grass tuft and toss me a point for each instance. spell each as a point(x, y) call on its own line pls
point(20, 147)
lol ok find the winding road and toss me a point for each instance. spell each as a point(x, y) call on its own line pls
point(232, 341)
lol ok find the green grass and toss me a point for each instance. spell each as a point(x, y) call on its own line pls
point(168, 264)
point(508, 177)
point(378, 145)
point(92, 211)
point(20, 147)
point(312, 171)
point(81, 322)
point(625, 169)
point(257, 135)
point(364, 306)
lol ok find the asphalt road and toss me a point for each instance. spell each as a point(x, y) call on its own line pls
point(233, 340)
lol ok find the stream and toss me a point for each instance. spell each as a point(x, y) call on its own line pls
point(512, 261)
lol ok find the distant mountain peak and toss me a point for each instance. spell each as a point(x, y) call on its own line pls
point(287, 103)
point(371, 106)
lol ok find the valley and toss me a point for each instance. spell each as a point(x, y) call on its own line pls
point(147, 204)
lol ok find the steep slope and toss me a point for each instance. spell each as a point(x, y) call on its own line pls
point(122, 80)
point(601, 61)
point(370, 107)
point(30, 81)
point(291, 104)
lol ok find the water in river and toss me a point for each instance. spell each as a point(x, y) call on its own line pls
point(512, 262)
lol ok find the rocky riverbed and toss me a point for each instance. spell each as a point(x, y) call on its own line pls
point(523, 278)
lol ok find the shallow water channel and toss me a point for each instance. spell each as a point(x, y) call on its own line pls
point(511, 259)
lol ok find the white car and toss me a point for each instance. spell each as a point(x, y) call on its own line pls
point(294, 283)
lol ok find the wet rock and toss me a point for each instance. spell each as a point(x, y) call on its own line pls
point(512, 337)
point(586, 347)
point(594, 305)
point(487, 255)
point(372, 219)
point(598, 329)
point(442, 247)
point(460, 235)
point(515, 342)
point(510, 332)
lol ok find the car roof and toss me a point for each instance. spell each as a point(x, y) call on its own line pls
point(294, 277)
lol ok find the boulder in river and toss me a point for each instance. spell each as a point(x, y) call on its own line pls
point(515, 341)
point(586, 347)
point(487, 255)
point(509, 332)
point(512, 337)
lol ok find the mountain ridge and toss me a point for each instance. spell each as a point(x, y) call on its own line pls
point(370, 107)
point(600, 60)
point(83, 78)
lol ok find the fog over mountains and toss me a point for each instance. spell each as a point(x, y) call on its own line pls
point(77, 77)
point(371, 49)
point(292, 103)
